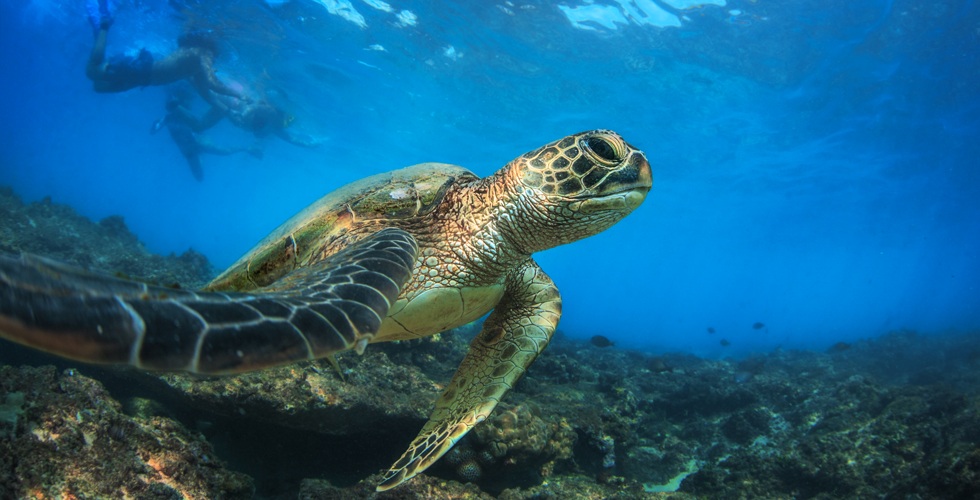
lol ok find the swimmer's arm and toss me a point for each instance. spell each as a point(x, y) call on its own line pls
point(298, 139)
point(210, 119)
point(216, 85)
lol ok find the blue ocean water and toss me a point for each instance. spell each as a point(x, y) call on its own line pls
point(815, 163)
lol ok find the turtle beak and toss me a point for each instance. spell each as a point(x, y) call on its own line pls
point(644, 175)
point(624, 190)
point(633, 181)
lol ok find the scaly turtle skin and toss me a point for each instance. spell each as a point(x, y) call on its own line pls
point(394, 256)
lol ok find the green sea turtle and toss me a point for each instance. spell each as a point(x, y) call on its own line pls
point(399, 255)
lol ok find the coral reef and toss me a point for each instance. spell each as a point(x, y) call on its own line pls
point(515, 432)
point(61, 436)
point(59, 232)
point(423, 487)
point(580, 487)
point(860, 441)
point(376, 395)
point(513, 447)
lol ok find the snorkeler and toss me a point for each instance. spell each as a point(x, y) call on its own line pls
point(263, 119)
point(260, 118)
point(193, 60)
point(191, 144)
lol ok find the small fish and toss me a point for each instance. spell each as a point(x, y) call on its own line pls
point(839, 347)
point(600, 341)
point(711, 330)
point(657, 365)
point(725, 343)
point(743, 377)
point(758, 326)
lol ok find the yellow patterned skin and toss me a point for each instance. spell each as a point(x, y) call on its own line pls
point(394, 256)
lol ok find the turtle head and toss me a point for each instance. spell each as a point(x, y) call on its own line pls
point(580, 185)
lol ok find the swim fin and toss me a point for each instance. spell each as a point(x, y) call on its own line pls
point(99, 14)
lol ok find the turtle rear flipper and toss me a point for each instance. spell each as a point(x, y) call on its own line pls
point(312, 312)
point(513, 335)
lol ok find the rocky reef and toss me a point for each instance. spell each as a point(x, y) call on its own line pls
point(892, 417)
point(62, 436)
point(59, 232)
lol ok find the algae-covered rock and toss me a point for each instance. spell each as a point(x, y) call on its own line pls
point(59, 232)
point(375, 395)
point(861, 441)
point(515, 432)
point(580, 487)
point(422, 487)
point(514, 447)
point(69, 439)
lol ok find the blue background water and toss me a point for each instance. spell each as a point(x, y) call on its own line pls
point(815, 164)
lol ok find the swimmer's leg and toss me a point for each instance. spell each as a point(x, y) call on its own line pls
point(210, 118)
point(95, 69)
point(205, 145)
point(194, 161)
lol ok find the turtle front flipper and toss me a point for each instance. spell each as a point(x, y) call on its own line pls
point(332, 305)
point(519, 328)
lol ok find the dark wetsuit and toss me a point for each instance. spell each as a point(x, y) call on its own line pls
point(127, 72)
point(188, 144)
point(193, 145)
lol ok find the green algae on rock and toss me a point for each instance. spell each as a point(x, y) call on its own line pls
point(72, 441)
point(378, 396)
point(59, 232)
point(424, 487)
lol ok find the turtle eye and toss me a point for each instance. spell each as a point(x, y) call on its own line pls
point(603, 150)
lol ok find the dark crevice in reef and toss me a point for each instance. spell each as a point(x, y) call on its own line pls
point(278, 458)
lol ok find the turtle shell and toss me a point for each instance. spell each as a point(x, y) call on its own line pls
point(300, 241)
